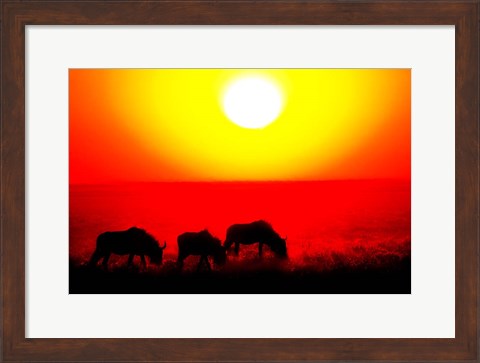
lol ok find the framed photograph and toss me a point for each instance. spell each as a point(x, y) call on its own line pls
point(261, 181)
point(233, 156)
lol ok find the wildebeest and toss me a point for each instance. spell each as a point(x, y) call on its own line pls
point(259, 232)
point(201, 244)
point(133, 242)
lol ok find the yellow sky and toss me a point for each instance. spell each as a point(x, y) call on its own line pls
point(169, 125)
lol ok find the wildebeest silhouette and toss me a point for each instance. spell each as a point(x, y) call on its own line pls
point(201, 244)
point(133, 242)
point(259, 232)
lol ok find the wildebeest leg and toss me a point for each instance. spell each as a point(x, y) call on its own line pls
point(94, 259)
point(237, 247)
point(144, 263)
point(105, 260)
point(203, 261)
point(130, 259)
point(199, 266)
point(180, 261)
point(260, 245)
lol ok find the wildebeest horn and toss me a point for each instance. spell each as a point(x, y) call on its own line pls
point(164, 245)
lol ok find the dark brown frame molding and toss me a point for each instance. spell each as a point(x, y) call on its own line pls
point(16, 14)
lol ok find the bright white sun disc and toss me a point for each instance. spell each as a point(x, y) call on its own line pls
point(252, 102)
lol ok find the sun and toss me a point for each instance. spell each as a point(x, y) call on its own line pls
point(252, 102)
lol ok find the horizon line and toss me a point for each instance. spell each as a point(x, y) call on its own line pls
point(238, 181)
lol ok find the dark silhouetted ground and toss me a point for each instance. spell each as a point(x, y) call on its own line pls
point(256, 277)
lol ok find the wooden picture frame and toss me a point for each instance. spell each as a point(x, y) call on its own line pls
point(17, 14)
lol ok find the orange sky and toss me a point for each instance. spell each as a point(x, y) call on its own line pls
point(169, 125)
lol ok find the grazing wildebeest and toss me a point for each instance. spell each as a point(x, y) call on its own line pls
point(259, 232)
point(201, 244)
point(134, 241)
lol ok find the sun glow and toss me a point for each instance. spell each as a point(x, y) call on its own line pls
point(238, 124)
point(252, 102)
